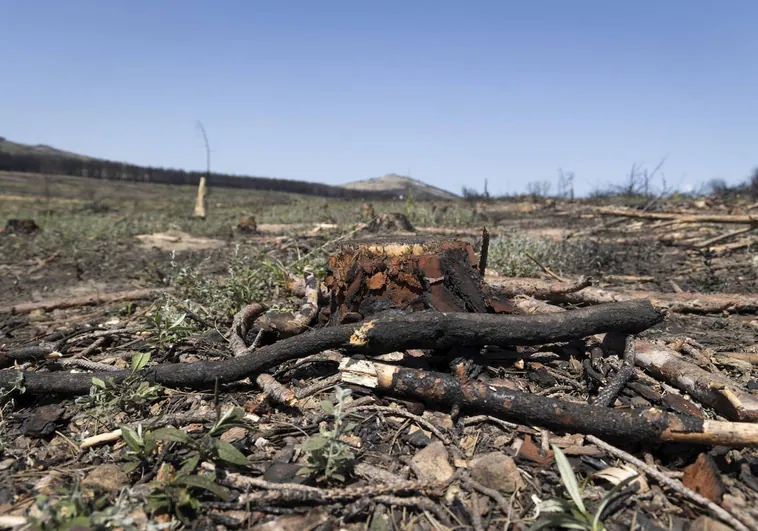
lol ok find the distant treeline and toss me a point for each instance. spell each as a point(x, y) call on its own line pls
point(119, 171)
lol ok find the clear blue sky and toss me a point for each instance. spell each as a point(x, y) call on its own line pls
point(454, 92)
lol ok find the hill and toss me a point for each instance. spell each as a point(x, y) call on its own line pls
point(398, 185)
point(19, 149)
point(41, 159)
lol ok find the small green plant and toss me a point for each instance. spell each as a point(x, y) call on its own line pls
point(75, 510)
point(558, 513)
point(174, 492)
point(142, 446)
point(131, 394)
point(328, 456)
point(17, 388)
point(248, 278)
point(169, 324)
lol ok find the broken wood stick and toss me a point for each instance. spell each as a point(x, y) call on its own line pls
point(288, 324)
point(680, 218)
point(86, 300)
point(722, 237)
point(535, 287)
point(241, 324)
point(636, 425)
point(433, 330)
point(710, 389)
point(701, 303)
point(713, 390)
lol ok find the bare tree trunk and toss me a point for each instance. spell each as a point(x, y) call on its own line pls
point(201, 202)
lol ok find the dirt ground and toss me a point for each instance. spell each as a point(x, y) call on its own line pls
point(231, 455)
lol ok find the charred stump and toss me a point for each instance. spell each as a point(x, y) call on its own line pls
point(21, 226)
point(247, 225)
point(390, 222)
point(403, 274)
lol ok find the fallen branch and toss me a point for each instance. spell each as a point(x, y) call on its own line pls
point(679, 218)
point(87, 300)
point(537, 288)
point(722, 237)
point(638, 425)
point(241, 324)
point(292, 324)
point(713, 390)
point(396, 333)
point(276, 391)
point(701, 303)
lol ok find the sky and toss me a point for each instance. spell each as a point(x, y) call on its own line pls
point(451, 93)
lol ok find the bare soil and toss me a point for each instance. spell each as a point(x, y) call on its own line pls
point(430, 467)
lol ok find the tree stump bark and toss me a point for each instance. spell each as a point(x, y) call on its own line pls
point(402, 274)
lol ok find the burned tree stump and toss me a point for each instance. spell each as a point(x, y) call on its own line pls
point(21, 226)
point(247, 225)
point(403, 274)
point(390, 222)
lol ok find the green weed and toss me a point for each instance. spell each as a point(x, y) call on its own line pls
point(328, 457)
point(131, 395)
point(559, 513)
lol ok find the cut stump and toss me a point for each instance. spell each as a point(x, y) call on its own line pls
point(21, 226)
point(402, 274)
point(390, 222)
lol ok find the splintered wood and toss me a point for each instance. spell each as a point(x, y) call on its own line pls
point(369, 277)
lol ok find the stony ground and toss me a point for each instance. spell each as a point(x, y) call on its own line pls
point(302, 448)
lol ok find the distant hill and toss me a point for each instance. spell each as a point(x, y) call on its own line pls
point(16, 148)
point(40, 158)
point(398, 185)
point(25, 158)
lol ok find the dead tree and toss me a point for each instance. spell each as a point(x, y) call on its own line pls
point(201, 202)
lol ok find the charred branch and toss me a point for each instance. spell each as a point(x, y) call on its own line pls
point(423, 330)
point(648, 425)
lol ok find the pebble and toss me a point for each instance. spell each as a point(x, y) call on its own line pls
point(496, 471)
point(432, 463)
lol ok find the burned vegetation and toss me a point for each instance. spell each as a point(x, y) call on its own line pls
point(560, 369)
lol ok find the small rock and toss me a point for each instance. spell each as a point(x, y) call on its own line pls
point(752, 385)
point(496, 471)
point(42, 421)
point(107, 478)
point(284, 473)
point(703, 523)
point(432, 463)
point(418, 438)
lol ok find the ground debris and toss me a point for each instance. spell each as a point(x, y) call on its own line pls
point(463, 399)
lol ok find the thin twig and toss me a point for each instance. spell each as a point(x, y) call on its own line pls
point(403, 413)
point(672, 484)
